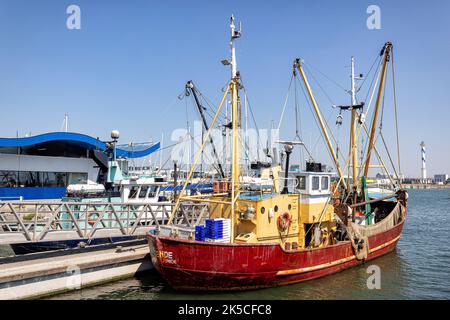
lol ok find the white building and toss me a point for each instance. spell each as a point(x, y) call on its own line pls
point(440, 178)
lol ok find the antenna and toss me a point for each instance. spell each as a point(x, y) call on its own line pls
point(234, 35)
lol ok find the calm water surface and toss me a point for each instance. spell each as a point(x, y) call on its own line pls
point(418, 269)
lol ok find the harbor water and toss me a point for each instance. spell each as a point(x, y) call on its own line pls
point(418, 269)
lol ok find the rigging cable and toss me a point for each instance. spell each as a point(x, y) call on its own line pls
point(317, 123)
point(389, 156)
point(396, 118)
point(323, 74)
point(285, 102)
point(377, 58)
point(321, 88)
point(258, 140)
point(326, 121)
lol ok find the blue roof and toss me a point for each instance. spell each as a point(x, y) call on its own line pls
point(86, 141)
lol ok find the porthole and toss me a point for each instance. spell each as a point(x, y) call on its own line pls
point(289, 207)
point(263, 210)
point(275, 208)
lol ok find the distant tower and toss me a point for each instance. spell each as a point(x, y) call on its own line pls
point(424, 169)
point(65, 124)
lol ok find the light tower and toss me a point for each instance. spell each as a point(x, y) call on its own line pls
point(424, 169)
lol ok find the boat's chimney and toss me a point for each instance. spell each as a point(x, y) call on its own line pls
point(288, 149)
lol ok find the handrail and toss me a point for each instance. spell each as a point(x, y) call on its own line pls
point(56, 220)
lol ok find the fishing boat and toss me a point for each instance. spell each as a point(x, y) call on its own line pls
point(301, 226)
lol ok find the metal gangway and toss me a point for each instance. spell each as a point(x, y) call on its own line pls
point(27, 221)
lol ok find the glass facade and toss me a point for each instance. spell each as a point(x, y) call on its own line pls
point(14, 179)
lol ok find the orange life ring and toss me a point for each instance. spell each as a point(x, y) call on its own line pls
point(90, 220)
point(284, 221)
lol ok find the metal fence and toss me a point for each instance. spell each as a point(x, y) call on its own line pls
point(23, 221)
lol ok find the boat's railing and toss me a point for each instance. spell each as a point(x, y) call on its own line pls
point(292, 183)
point(26, 221)
point(263, 187)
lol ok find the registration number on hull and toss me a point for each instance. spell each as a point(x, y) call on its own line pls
point(166, 257)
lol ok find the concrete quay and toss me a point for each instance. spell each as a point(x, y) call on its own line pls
point(38, 275)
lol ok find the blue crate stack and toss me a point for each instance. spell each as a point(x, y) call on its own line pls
point(200, 233)
point(214, 229)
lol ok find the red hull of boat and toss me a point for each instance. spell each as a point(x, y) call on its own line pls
point(193, 265)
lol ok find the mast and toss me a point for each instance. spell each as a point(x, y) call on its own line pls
point(235, 124)
point(386, 52)
point(247, 159)
point(298, 65)
point(234, 35)
point(233, 87)
point(353, 142)
point(161, 152)
point(235, 137)
point(354, 106)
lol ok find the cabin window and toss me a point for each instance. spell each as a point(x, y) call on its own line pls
point(301, 182)
point(77, 178)
point(143, 192)
point(275, 208)
point(263, 210)
point(324, 183)
point(315, 183)
point(153, 191)
point(133, 192)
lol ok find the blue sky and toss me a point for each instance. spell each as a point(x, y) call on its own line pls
point(126, 66)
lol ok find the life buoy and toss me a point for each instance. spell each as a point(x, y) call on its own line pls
point(90, 220)
point(283, 221)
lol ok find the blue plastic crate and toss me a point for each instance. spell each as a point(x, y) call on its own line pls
point(214, 229)
point(200, 233)
point(213, 234)
point(210, 222)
